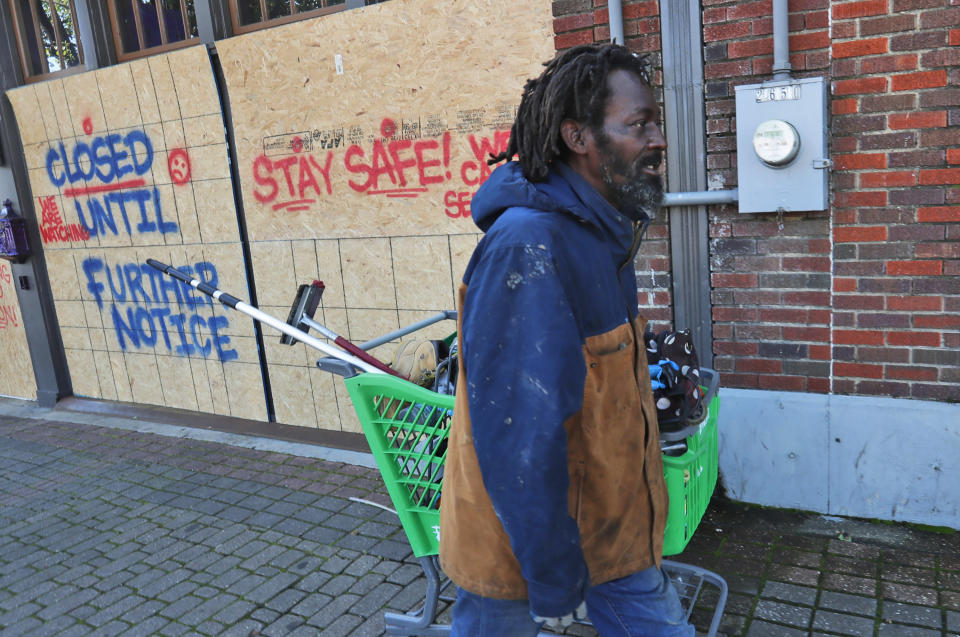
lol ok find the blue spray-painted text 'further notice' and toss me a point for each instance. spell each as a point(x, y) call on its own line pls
point(149, 308)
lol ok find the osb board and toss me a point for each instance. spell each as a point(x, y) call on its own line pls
point(364, 179)
point(372, 287)
point(129, 155)
point(16, 372)
point(128, 163)
point(378, 121)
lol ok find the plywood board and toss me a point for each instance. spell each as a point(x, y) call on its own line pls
point(16, 373)
point(128, 163)
point(361, 138)
point(377, 121)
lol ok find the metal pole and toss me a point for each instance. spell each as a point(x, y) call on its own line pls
point(254, 313)
point(403, 331)
point(84, 32)
point(686, 170)
point(615, 9)
point(701, 198)
point(781, 40)
point(204, 22)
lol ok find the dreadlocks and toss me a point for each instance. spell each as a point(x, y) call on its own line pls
point(573, 86)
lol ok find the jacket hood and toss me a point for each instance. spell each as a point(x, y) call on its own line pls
point(563, 192)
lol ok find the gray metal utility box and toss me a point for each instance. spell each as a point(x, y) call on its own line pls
point(782, 145)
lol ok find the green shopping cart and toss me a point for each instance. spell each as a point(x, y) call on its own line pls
point(406, 427)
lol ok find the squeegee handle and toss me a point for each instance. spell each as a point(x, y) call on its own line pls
point(206, 288)
point(263, 317)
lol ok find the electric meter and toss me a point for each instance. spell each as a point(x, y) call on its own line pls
point(776, 142)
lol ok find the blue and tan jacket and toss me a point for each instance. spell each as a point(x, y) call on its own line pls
point(554, 475)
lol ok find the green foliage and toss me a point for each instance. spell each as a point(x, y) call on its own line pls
point(55, 20)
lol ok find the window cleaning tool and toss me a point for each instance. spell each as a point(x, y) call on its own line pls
point(301, 317)
point(263, 317)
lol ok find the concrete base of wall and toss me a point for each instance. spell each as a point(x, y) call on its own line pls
point(884, 458)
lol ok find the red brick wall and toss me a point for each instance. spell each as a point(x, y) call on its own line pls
point(896, 222)
point(863, 298)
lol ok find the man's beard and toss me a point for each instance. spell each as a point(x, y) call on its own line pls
point(638, 193)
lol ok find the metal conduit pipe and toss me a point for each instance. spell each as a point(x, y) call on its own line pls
point(615, 9)
point(781, 40)
point(701, 198)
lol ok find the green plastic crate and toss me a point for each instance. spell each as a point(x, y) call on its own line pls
point(691, 478)
point(406, 427)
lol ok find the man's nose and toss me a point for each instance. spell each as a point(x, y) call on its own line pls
point(657, 140)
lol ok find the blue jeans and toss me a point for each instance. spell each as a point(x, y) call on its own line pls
point(644, 604)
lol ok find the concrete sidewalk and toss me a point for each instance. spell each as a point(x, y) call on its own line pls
point(136, 528)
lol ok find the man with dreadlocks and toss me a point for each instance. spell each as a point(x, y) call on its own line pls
point(554, 499)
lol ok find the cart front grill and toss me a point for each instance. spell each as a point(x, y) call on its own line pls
point(415, 436)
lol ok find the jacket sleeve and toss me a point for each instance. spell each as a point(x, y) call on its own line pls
point(525, 371)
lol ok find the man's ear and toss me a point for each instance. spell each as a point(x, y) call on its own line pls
point(574, 136)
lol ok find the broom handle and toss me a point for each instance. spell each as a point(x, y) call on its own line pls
point(263, 317)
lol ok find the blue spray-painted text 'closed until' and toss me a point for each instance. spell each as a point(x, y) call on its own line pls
point(95, 170)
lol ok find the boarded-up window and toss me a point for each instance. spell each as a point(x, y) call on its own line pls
point(146, 27)
point(250, 15)
point(47, 37)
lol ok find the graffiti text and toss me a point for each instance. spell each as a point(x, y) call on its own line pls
point(106, 158)
point(298, 173)
point(52, 228)
point(8, 316)
point(148, 308)
point(107, 172)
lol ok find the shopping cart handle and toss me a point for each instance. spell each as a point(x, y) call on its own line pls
point(409, 329)
point(711, 380)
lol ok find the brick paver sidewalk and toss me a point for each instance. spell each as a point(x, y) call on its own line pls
point(112, 532)
point(106, 531)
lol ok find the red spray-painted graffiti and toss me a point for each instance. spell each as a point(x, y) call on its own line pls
point(303, 166)
point(8, 316)
point(8, 313)
point(178, 165)
point(4, 276)
point(52, 228)
point(395, 165)
point(393, 158)
point(474, 173)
